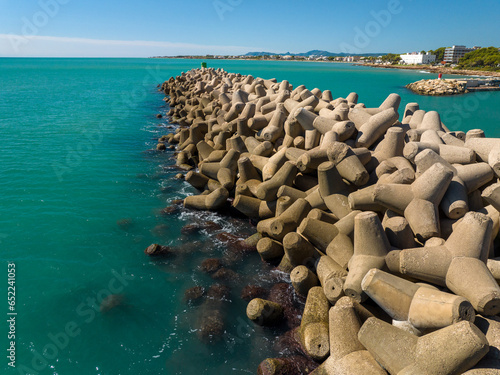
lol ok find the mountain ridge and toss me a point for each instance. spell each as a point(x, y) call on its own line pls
point(313, 52)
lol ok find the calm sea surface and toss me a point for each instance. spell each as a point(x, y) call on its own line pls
point(81, 194)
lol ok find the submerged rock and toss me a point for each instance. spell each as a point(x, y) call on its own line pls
point(157, 250)
point(194, 294)
point(110, 302)
point(161, 230)
point(225, 274)
point(211, 326)
point(197, 227)
point(172, 209)
point(211, 265)
point(295, 365)
point(253, 291)
point(283, 294)
point(218, 292)
point(125, 223)
point(289, 344)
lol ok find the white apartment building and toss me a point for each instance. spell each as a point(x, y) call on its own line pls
point(455, 53)
point(418, 58)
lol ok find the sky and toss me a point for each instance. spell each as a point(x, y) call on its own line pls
point(144, 28)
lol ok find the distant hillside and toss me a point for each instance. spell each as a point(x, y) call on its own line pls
point(315, 53)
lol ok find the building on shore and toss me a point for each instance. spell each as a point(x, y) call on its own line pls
point(455, 53)
point(415, 58)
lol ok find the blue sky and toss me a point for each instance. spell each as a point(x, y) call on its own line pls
point(110, 28)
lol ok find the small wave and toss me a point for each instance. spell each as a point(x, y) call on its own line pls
point(424, 71)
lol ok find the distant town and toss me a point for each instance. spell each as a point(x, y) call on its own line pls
point(457, 56)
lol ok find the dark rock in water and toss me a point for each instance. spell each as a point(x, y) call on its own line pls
point(190, 228)
point(218, 292)
point(157, 250)
point(159, 115)
point(227, 237)
point(179, 176)
point(125, 224)
point(175, 206)
point(110, 302)
point(211, 265)
point(170, 210)
point(161, 147)
point(253, 291)
point(193, 228)
point(253, 240)
point(283, 294)
point(194, 294)
point(289, 344)
point(161, 230)
point(189, 247)
point(225, 274)
point(211, 226)
point(235, 244)
point(295, 365)
point(211, 326)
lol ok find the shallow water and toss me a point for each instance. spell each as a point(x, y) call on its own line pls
point(81, 199)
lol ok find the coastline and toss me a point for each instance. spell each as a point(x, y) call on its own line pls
point(436, 69)
point(218, 112)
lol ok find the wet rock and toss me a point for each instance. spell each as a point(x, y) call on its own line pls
point(235, 244)
point(225, 274)
point(197, 227)
point(170, 210)
point(190, 228)
point(218, 292)
point(250, 292)
point(179, 176)
point(211, 326)
point(283, 294)
point(211, 265)
point(295, 365)
point(211, 226)
point(194, 294)
point(289, 344)
point(159, 115)
point(110, 302)
point(161, 230)
point(157, 250)
point(227, 237)
point(125, 224)
point(161, 147)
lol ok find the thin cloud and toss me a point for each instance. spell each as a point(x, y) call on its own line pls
point(27, 45)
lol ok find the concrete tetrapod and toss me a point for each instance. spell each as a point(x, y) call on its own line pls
point(314, 325)
point(448, 351)
point(263, 312)
point(331, 276)
point(370, 249)
point(333, 190)
point(347, 355)
point(418, 201)
point(459, 264)
point(303, 279)
point(422, 306)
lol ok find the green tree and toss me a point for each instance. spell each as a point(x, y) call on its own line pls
point(391, 58)
point(439, 53)
point(481, 59)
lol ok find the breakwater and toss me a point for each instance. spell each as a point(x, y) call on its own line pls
point(438, 87)
point(353, 204)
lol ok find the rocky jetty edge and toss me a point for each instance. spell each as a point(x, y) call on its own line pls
point(387, 228)
point(438, 87)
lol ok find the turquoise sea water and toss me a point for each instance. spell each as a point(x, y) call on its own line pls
point(81, 195)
